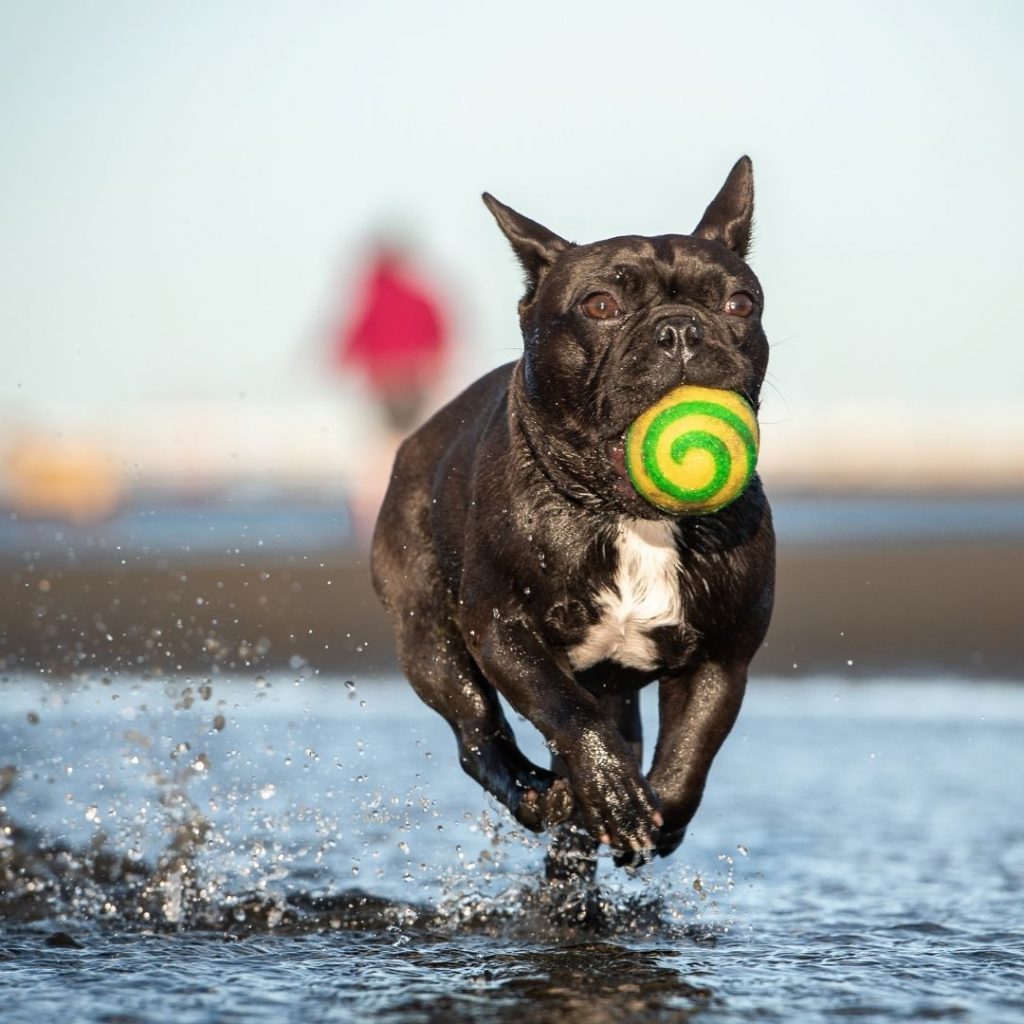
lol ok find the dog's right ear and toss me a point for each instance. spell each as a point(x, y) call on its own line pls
point(535, 246)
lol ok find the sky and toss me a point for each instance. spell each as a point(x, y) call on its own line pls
point(184, 188)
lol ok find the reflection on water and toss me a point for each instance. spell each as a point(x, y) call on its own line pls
point(276, 849)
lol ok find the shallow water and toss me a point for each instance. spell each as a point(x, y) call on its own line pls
point(262, 525)
point(303, 850)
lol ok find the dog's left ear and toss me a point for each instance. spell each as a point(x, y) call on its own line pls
point(535, 246)
point(729, 217)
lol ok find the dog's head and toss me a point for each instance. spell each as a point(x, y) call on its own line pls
point(612, 326)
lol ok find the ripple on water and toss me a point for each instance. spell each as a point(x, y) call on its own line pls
point(149, 872)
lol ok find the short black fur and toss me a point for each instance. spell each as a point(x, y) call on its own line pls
point(502, 526)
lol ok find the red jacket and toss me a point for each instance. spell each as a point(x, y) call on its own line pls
point(397, 336)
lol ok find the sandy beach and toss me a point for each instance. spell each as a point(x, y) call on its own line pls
point(937, 607)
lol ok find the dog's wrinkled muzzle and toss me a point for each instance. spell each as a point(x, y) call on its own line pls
point(680, 335)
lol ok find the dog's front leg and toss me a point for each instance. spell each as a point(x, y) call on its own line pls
point(572, 856)
point(696, 714)
point(447, 679)
point(488, 753)
point(615, 801)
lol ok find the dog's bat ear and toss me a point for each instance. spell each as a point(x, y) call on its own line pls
point(535, 246)
point(729, 217)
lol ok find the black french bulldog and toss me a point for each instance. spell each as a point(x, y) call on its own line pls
point(515, 557)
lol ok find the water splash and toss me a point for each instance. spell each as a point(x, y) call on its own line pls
point(200, 812)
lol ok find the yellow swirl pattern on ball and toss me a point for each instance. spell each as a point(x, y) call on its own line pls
point(694, 451)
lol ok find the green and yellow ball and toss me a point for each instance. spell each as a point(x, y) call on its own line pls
point(693, 451)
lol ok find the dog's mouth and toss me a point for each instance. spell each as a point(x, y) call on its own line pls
point(623, 487)
point(617, 457)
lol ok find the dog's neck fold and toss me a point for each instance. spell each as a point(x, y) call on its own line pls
point(556, 459)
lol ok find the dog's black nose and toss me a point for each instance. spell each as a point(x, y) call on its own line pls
point(679, 333)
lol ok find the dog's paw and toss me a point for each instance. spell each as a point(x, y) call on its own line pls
point(631, 860)
point(632, 832)
point(668, 842)
point(620, 809)
point(541, 807)
point(665, 844)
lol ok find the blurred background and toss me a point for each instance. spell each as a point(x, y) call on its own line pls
point(243, 252)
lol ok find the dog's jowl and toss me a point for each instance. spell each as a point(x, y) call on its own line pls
point(516, 557)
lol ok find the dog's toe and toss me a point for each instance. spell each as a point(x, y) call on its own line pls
point(529, 812)
point(558, 803)
point(540, 808)
point(668, 842)
point(633, 858)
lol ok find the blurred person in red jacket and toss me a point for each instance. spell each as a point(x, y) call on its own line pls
point(397, 337)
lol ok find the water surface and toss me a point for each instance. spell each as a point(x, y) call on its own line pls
point(285, 849)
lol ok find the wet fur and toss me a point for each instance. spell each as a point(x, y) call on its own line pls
point(514, 558)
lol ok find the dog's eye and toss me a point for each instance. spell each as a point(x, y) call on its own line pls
point(600, 306)
point(739, 304)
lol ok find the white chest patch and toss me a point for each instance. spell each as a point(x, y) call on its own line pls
point(644, 596)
